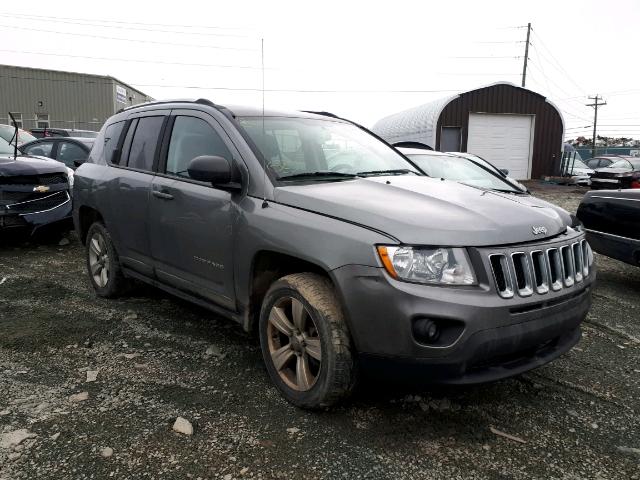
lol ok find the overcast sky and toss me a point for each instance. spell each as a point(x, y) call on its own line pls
point(361, 60)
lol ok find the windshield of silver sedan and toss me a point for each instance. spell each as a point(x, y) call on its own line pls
point(315, 149)
point(462, 170)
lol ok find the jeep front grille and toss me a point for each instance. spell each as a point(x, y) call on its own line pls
point(539, 270)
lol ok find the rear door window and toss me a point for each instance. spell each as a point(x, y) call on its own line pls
point(144, 142)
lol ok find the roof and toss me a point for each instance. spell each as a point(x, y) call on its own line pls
point(420, 123)
point(239, 110)
point(93, 75)
point(415, 123)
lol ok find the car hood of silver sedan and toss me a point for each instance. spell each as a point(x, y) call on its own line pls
point(426, 211)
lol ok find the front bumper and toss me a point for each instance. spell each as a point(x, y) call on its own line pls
point(493, 337)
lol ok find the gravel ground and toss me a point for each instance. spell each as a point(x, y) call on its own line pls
point(152, 358)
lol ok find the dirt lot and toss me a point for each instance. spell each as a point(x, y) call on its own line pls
point(158, 358)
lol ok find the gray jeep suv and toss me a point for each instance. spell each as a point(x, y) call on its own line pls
point(331, 245)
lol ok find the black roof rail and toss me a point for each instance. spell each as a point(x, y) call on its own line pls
point(201, 101)
point(420, 145)
point(324, 114)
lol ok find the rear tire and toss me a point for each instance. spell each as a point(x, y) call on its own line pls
point(305, 341)
point(103, 265)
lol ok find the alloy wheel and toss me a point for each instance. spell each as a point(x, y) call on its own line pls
point(99, 261)
point(294, 344)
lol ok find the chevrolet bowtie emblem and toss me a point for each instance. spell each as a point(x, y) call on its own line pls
point(41, 189)
point(539, 230)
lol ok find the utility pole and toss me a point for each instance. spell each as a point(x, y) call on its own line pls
point(597, 102)
point(526, 56)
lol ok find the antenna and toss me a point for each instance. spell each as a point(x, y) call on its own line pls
point(15, 137)
point(264, 135)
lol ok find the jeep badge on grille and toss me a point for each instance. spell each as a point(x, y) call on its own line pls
point(539, 230)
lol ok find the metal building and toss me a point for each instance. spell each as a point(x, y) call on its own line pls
point(49, 98)
point(512, 127)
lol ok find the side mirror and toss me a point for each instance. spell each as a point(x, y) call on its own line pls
point(77, 163)
point(213, 169)
point(504, 171)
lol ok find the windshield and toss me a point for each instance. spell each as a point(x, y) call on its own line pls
point(461, 170)
point(621, 164)
point(7, 132)
point(301, 146)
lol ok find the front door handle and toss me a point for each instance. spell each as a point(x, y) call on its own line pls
point(162, 195)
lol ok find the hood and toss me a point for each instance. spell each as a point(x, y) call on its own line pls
point(25, 165)
point(612, 171)
point(581, 171)
point(428, 211)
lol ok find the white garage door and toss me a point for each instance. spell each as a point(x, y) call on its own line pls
point(504, 140)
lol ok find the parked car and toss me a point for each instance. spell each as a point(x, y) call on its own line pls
point(503, 172)
point(612, 222)
point(8, 132)
point(70, 151)
point(364, 264)
point(623, 173)
point(62, 132)
point(601, 162)
point(579, 173)
point(34, 193)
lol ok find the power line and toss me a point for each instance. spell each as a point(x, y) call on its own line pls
point(198, 87)
point(77, 22)
point(137, 23)
point(155, 42)
point(559, 65)
point(158, 62)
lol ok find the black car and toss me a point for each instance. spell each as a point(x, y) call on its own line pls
point(34, 192)
point(612, 221)
point(62, 132)
point(623, 173)
point(70, 151)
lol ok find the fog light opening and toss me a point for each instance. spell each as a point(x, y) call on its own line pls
point(426, 330)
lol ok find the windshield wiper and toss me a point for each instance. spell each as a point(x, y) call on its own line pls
point(397, 171)
point(487, 189)
point(322, 173)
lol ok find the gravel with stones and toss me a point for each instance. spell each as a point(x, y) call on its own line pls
point(92, 388)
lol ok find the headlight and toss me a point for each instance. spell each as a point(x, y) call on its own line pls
point(442, 265)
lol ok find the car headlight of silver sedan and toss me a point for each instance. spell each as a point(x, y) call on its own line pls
point(430, 265)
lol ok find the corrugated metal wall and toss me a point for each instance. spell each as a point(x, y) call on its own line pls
point(548, 131)
point(72, 100)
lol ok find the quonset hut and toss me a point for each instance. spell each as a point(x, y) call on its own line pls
point(512, 127)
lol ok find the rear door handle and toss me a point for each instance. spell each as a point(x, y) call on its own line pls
point(162, 195)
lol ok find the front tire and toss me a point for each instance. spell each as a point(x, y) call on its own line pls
point(305, 341)
point(103, 265)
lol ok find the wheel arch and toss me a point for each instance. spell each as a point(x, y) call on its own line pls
point(87, 216)
point(266, 267)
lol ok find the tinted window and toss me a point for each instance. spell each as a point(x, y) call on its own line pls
point(145, 141)
point(593, 163)
point(69, 152)
point(42, 149)
point(190, 138)
point(111, 138)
